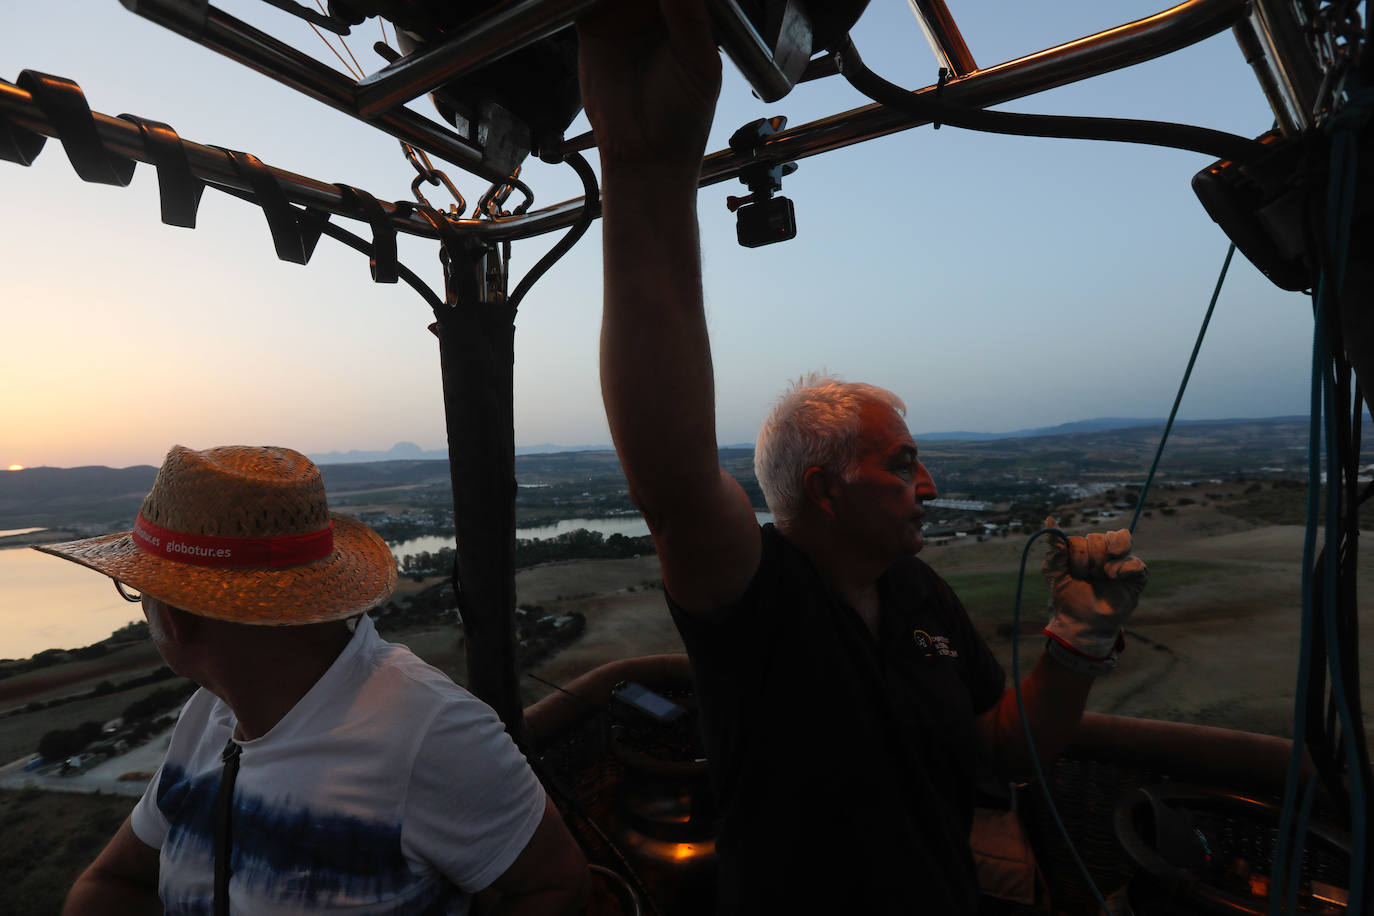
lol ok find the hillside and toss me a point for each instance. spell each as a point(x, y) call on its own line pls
point(1214, 642)
point(1020, 470)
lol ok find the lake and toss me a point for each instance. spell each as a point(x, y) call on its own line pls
point(631, 526)
point(47, 603)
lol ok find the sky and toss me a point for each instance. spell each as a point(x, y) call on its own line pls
point(995, 283)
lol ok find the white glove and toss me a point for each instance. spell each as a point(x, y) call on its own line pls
point(1094, 585)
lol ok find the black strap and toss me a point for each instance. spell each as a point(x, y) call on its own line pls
point(64, 105)
point(224, 827)
point(177, 186)
point(383, 263)
point(294, 231)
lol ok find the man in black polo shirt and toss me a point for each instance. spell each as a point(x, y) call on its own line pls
point(846, 699)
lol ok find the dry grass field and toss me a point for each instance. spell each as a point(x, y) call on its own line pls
point(1215, 641)
point(48, 838)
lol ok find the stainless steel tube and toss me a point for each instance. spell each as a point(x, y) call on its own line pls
point(1145, 39)
point(747, 49)
point(259, 51)
point(944, 35)
point(490, 38)
point(1142, 40)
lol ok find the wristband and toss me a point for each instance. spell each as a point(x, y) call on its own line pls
point(1079, 664)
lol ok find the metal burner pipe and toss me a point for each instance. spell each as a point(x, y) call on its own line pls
point(1123, 46)
point(943, 34)
point(748, 51)
point(1133, 43)
point(1129, 44)
point(490, 38)
point(509, 29)
point(259, 51)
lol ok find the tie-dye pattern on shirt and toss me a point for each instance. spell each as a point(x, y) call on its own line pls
point(285, 856)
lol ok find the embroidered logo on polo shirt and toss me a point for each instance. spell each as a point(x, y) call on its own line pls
point(932, 646)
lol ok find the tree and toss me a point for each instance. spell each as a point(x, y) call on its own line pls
point(61, 743)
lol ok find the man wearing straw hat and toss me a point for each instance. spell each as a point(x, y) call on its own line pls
point(318, 768)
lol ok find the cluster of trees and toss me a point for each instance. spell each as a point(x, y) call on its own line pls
point(61, 743)
point(539, 635)
point(39, 660)
point(436, 604)
point(409, 526)
point(130, 633)
point(161, 673)
point(140, 719)
point(158, 702)
point(572, 545)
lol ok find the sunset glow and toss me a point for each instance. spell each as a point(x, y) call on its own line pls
point(16, 467)
point(92, 344)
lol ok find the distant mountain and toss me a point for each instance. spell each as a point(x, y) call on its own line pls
point(1097, 425)
point(58, 497)
point(409, 451)
point(48, 497)
point(401, 451)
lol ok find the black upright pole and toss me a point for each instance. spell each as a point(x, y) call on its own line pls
point(477, 358)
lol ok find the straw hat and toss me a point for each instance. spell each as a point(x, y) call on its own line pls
point(243, 534)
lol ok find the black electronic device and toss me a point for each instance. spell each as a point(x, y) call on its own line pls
point(642, 699)
point(765, 222)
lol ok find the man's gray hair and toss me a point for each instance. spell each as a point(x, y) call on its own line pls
point(816, 423)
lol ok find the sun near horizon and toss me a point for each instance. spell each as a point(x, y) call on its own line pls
point(16, 467)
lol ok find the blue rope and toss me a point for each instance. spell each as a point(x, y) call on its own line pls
point(1290, 788)
point(1021, 578)
point(1344, 127)
point(1036, 770)
point(1340, 207)
point(1304, 818)
point(1178, 398)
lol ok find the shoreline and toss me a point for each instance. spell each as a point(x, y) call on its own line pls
point(34, 538)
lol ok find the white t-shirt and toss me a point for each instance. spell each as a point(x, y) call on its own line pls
point(386, 789)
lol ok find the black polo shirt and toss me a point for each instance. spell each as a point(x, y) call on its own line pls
point(844, 764)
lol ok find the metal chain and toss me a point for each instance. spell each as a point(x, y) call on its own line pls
point(426, 173)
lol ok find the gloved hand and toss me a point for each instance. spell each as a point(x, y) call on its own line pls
point(1094, 585)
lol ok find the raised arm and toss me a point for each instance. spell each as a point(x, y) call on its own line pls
point(650, 74)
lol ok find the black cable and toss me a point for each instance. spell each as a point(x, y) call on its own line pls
point(1155, 133)
point(1349, 624)
point(405, 273)
point(591, 204)
point(562, 690)
point(358, 244)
